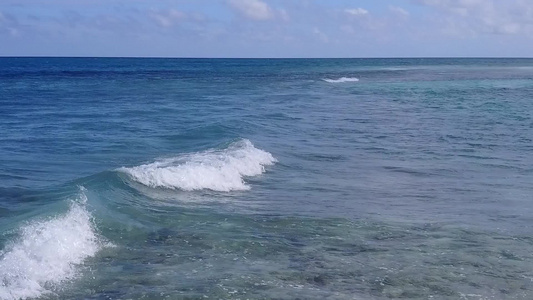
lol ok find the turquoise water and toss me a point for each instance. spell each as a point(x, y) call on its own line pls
point(262, 179)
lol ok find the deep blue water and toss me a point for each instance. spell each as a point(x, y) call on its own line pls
point(125, 178)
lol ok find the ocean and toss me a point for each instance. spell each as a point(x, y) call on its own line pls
point(148, 178)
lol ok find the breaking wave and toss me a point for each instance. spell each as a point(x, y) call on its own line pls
point(342, 79)
point(47, 253)
point(217, 170)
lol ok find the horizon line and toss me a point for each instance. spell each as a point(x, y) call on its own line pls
point(266, 57)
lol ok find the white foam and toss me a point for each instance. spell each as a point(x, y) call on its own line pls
point(217, 170)
point(47, 253)
point(342, 79)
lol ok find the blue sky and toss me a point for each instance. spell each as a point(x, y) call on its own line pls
point(267, 28)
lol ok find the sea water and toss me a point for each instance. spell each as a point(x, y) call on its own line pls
point(130, 178)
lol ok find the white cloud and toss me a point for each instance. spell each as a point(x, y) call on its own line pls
point(6, 19)
point(168, 18)
point(9, 25)
point(13, 32)
point(321, 35)
point(253, 9)
point(356, 11)
point(475, 17)
point(459, 7)
point(399, 11)
point(511, 28)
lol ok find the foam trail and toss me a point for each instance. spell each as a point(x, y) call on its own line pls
point(217, 170)
point(342, 79)
point(47, 253)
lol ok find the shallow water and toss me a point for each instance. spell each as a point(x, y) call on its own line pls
point(237, 179)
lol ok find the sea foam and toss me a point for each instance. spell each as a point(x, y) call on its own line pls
point(342, 79)
point(47, 253)
point(217, 170)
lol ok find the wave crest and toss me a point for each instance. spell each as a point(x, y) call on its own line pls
point(47, 253)
point(217, 170)
point(342, 79)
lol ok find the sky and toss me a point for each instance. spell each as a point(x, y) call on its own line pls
point(267, 28)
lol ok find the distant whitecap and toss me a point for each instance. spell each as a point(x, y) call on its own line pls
point(342, 79)
point(217, 170)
